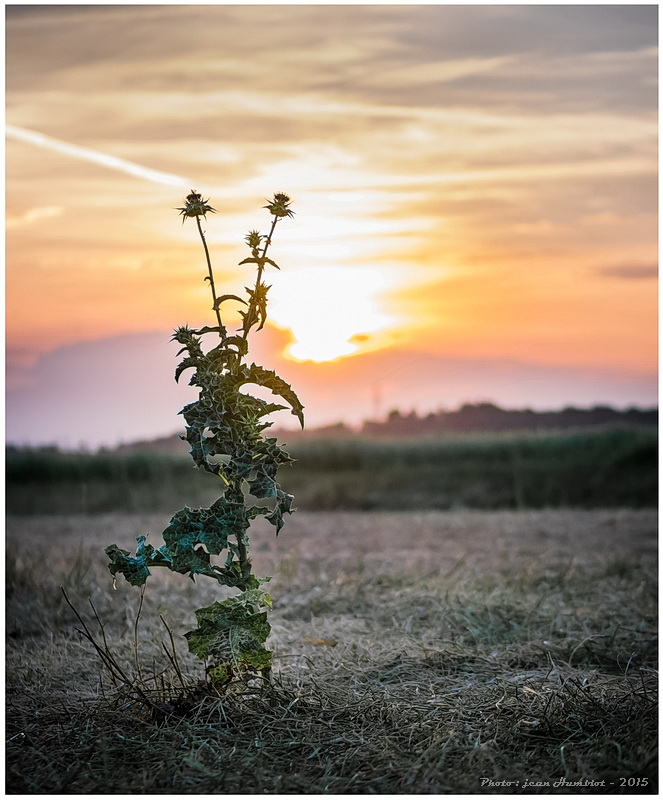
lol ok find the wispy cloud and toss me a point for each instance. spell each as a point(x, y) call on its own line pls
point(629, 272)
point(32, 215)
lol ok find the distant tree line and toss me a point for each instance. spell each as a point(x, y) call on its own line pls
point(489, 417)
point(478, 417)
point(469, 418)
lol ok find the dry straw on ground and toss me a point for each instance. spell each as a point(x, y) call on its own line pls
point(415, 653)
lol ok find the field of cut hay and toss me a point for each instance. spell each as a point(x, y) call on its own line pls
point(457, 652)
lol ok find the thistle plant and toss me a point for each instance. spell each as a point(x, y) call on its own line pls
point(224, 429)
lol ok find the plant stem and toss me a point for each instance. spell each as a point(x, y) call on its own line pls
point(268, 241)
point(261, 267)
point(235, 494)
point(244, 560)
point(242, 552)
point(222, 330)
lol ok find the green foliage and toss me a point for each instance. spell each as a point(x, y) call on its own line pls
point(224, 430)
point(231, 633)
point(135, 570)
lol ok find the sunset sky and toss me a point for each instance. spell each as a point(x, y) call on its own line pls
point(475, 190)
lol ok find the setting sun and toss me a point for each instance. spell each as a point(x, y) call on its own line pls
point(331, 311)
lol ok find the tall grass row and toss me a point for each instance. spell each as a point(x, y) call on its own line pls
point(588, 470)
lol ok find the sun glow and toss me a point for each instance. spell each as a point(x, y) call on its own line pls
point(331, 311)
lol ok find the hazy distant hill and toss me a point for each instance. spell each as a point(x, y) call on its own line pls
point(470, 417)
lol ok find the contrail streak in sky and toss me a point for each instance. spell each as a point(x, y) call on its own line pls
point(95, 157)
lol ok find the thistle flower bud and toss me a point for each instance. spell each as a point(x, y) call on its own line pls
point(195, 206)
point(279, 205)
point(253, 239)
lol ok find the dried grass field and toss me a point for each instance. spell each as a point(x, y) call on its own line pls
point(438, 652)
